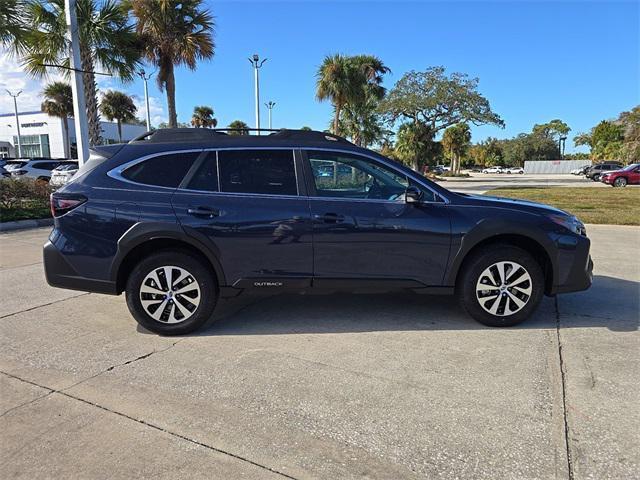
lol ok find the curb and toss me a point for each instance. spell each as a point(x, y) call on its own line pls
point(25, 224)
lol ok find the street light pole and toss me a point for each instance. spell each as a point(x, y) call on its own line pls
point(561, 144)
point(15, 108)
point(146, 95)
point(257, 64)
point(77, 86)
point(270, 106)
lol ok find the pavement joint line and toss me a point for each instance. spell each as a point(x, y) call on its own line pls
point(142, 422)
point(564, 393)
point(43, 305)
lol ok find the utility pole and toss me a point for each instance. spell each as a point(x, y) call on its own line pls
point(77, 85)
point(270, 106)
point(257, 64)
point(15, 108)
point(146, 95)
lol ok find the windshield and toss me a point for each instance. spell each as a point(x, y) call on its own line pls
point(630, 167)
point(14, 165)
point(68, 166)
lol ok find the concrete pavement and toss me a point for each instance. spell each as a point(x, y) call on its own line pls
point(320, 386)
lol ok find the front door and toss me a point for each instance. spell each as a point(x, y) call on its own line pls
point(364, 229)
point(246, 204)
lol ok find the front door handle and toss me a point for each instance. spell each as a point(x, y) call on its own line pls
point(201, 211)
point(329, 218)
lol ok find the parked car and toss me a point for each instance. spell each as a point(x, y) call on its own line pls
point(63, 173)
point(595, 171)
point(189, 216)
point(519, 170)
point(4, 173)
point(581, 170)
point(492, 170)
point(629, 175)
point(37, 169)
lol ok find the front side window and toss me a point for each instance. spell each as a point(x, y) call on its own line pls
point(343, 175)
point(270, 172)
point(163, 170)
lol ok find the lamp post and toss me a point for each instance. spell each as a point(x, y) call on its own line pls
point(561, 143)
point(270, 106)
point(77, 86)
point(257, 64)
point(146, 77)
point(15, 108)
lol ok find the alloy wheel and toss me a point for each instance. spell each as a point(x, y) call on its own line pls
point(504, 288)
point(620, 182)
point(170, 294)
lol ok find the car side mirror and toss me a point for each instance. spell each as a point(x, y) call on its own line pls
point(412, 195)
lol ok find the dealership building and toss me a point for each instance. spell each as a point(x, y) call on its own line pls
point(42, 135)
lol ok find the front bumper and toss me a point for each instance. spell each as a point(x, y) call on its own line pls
point(575, 266)
point(59, 273)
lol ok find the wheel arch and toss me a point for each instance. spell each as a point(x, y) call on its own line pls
point(526, 242)
point(144, 239)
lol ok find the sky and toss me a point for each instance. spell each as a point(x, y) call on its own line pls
point(536, 61)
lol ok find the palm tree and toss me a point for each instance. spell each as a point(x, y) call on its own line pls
point(456, 141)
point(349, 81)
point(173, 33)
point(13, 29)
point(239, 128)
point(203, 117)
point(118, 106)
point(59, 103)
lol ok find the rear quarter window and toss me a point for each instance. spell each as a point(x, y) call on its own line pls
point(163, 171)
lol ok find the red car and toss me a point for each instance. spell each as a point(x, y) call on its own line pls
point(629, 175)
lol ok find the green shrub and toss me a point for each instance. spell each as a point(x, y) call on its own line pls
point(28, 197)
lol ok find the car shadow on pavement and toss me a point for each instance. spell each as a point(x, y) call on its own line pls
point(611, 303)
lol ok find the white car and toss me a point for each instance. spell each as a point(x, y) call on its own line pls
point(36, 169)
point(519, 170)
point(63, 173)
point(492, 170)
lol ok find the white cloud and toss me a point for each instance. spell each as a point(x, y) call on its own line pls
point(156, 109)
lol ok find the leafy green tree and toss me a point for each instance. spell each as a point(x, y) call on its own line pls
point(179, 125)
point(528, 146)
point(554, 129)
point(606, 141)
point(487, 153)
point(438, 100)
point(59, 103)
point(203, 117)
point(352, 81)
point(630, 121)
point(456, 141)
point(306, 129)
point(240, 128)
point(173, 33)
point(118, 106)
point(13, 28)
point(415, 145)
point(107, 44)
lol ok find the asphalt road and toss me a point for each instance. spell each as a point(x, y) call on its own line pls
point(321, 386)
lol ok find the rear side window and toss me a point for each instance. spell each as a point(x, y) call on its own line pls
point(269, 172)
point(163, 170)
point(206, 176)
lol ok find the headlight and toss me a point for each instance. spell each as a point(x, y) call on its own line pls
point(570, 222)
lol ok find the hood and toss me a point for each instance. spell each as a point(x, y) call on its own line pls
point(512, 203)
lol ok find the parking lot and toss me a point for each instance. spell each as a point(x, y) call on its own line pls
point(321, 386)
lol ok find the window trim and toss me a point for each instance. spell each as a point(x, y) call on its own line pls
point(311, 183)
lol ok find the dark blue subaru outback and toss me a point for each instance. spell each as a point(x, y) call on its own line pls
point(181, 217)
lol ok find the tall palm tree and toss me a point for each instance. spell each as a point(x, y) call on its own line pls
point(118, 106)
point(203, 117)
point(455, 141)
point(107, 44)
point(173, 33)
point(13, 28)
point(351, 81)
point(239, 128)
point(59, 103)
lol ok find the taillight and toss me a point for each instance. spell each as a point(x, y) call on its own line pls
point(63, 203)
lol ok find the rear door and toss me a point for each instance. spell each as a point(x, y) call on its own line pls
point(365, 234)
point(248, 205)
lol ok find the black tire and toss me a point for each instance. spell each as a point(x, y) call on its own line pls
point(596, 178)
point(620, 182)
point(200, 273)
point(484, 259)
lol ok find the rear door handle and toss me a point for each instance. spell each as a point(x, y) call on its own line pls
point(329, 218)
point(201, 211)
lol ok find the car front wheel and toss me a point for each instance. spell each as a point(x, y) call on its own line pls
point(501, 286)
point(620, 182)
point(171, 292)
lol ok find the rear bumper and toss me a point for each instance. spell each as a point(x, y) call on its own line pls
point(59, 273)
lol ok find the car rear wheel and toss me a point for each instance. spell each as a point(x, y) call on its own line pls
point(171, 293)
point(501, 286)
point(620, 182)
